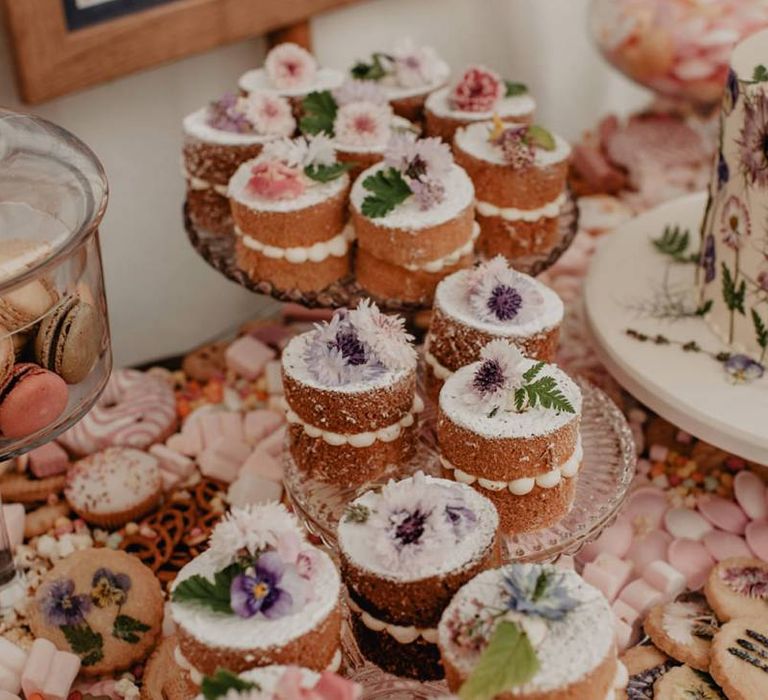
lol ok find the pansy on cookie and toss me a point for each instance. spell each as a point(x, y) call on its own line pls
point(738, 587)
point(686, 682)
point(740, 658)
point(103, 605)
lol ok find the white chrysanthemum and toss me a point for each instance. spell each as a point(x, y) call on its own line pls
point(252, 528)
point(498, 373)
point(292, 152)
point(503, 295)
point(289, 65)
point(269, 114)
point(320, 150)
point(417, 66)
point(492, 267)
point(363, 124)
point(385, 335)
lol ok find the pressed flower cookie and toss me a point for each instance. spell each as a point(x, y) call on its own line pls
point(683, 682)
point(645, 665)
point(103, 605)
point(740, 658)
point(684, 630)
point(738, 587)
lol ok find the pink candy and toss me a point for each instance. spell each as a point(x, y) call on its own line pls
point(750, 493)
point(646, 508)
point(692, 559)
point(665, 578)
point(260, 424)
point(641, 596)
point(649, 548)
point(223, 459)
point(757, 539)
point(615, 540)
point(684, 522)
point(247, 357)
point(722, 513)
point(724, 545)
point(48, 460)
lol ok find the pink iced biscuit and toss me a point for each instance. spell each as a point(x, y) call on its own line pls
point(223, 459)
point(173, 461)
point(750, 493)
point(231, 425)
point(648, 548)
point(641, 596)
point(722, 513)
point(615, 540)
point(251, 489)
point(38, 667)
point(264, 465)
point(260, 424)
point(274, 444)
point(684, 522)
point(665, 578)
point(757, 539)
point(621, 569)
point(12, 657)
point(14, 520)
point(64, 670)
point(210, 427)
point(605, 581)
point(247, 356)
point(724, 545)
point(646, 507)
point(692, 559)
point(48, 460)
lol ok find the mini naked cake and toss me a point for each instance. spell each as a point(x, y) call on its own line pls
point(477, 96)
point(413, 216)
point(405, 550)
point(358, 118)
point(217, 139)
point(473, 307)
point(519, 173)
point(509, 426)
point(350, 395)
point(407, 75)
point(530, 632)
point(259, 595)
point(290, 211)
point(292, 72)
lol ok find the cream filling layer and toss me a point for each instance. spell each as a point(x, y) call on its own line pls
point(440, 371)
point(521, 487)
point(401, 634)
point(366, 439)
point(197, 183)
point(548, 211)
point(452, 258)
point(336, 246)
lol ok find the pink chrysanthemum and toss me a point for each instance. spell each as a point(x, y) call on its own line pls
point(478, 90)
point(418, 158)
point(359, 91)
point(362, 124)
point(290, 66)
point(754, 140)
point(273, 179)
point(735, 224)
point(417, 66)
point(270, 114)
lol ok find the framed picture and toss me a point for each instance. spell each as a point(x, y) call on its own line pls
point(61, 46)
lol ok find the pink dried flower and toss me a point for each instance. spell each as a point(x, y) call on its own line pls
point(290, 66)
point(478, 90)
point(419, 158)
point(226, 114)
point(359, 91)
point(517, 152)
point(329, 686)
point(362, 124)
point(735, 223)
point(428, 192)
point(417, 66)
point(273, 179)
point(269, 114)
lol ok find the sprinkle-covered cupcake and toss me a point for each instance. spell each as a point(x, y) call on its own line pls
point(490, 301)
point(350, 394)
point(259, 595)
point(405, 550)
point(478, 95)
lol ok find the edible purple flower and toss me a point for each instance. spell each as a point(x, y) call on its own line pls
point(489, 377)
point(731, 96)
point(708, 258)
point(424, 165)
point(258, 590)
point(753, 141)
point(349, 345)
point(428, 192)
point(498, 294)
point(538, 591)
point(743, 369)
point(61, 607)
point(516, 151)
point(409, 526)
point(109, 588)
point(499, 371)
point(504, 301)
point(723, 171)
point(225, 114)
point(462, 519)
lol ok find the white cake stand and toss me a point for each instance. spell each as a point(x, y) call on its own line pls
point(631, 285)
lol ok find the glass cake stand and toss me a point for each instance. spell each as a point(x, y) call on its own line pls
point(219, 252)
point(603, 483)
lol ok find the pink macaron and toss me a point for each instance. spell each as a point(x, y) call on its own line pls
point(32, 399)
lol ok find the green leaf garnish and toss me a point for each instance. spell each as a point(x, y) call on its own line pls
point(761, 331)
point(85, 642)
point(375, 70)
point(544, 391)
point(201, 591)
point(221, 682)
point(319, 109)
point(326, 173)
point(733, 295)
point(530, 375)
point(760, 74)
point(536, 135)
point(508, 661)
point(126, 627)
point(388, 189)
point(704, 308)
point(357, 513)
point(674, 243)
point(514, 89)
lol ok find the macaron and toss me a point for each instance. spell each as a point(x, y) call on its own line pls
point(31, 399)
point(25, 305)
point(69, 339)
point(7, 355)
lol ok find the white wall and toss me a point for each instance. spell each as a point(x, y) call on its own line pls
point(162, 297)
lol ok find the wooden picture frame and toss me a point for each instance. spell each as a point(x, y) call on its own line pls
point(52, 59)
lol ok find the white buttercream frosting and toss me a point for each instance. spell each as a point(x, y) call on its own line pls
point(397, 125)
point(404, 634)
point(548, 211)
point(459, 194)
point(336, 247)
point(473, 139)
point(507, 107)
point(505, 424)
point(451, 258)
point(257, 80)
point(523, 486)
point(197, 126)
point(199, 183)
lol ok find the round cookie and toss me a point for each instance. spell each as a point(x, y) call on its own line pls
point(103, 605)
point(162, 673)
point(683, 682)
point(738, 587)
point(114, 487)
point(206, 362)
point(645, 665)
point(31, 399)
point(740, 658)
point(684, 630)
point(19, 488)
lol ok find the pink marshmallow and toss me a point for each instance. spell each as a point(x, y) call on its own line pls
point(262, 464)
point(251, 488)
point(223, 459)
point(757, 539)
point(621, 569)
point(15, 517)
point(38, 667)
point(178, 442)
point(724, 545)
point(605, 581)
point(648, 548)
point(687, 523)
point(646, 507)
point(12, 657)
point(48, 460)
point(273, 374)
point(626, 613)
point(615, 540)
point(231, 424)
point(9, 681)
point(641, 596)
point(64, 670)
point(247, 356)
point(261, 423)
point(691, 559)
point(170, 480)
point(658, 453)
point(750, 493)
point(172, 461)
point(210, 427)
point(722, 513)
point(664, 577)
point(625, 635)
point(274, 444)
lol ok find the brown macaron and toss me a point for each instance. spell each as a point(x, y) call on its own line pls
point(69, 339)
point(7, 355)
